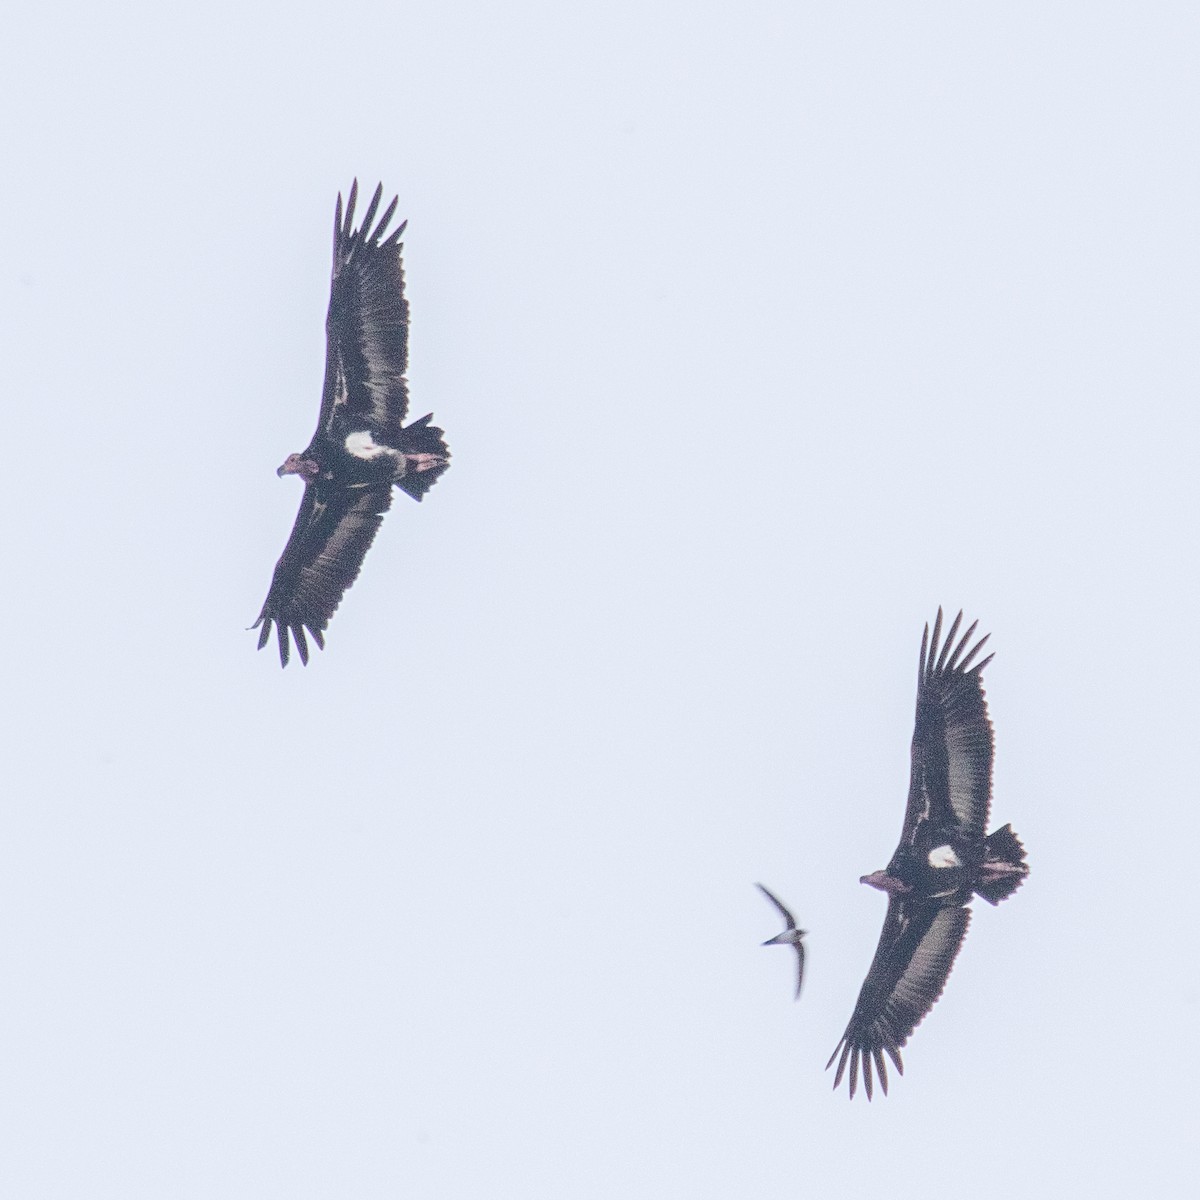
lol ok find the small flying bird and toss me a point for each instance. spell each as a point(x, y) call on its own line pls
point(361, 447)
point(791, 936)
point(943, 860)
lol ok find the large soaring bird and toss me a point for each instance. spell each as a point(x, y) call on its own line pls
point(361, 447)
point(943, 860)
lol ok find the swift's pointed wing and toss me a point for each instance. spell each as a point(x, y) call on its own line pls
point(912, 962)
point(332, 534)
point(788, 919)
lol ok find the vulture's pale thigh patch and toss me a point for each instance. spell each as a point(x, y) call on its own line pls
point(362, 445)
point(941, 857)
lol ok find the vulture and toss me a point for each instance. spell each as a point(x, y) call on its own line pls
point(943, 860)
point(791, 936)
point(361, 447)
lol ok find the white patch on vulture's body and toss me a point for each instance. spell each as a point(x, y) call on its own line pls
point(362, 445)
point(941, 857)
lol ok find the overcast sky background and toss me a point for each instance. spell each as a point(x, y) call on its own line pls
point(757, 331)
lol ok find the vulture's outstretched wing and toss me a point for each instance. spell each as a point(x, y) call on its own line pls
point(366, 353)
point(333, 531)
point(951, 781)
point(912, 963)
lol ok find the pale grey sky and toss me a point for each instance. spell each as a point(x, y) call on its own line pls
point(757, 331)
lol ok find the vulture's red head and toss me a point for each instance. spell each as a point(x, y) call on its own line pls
point(297, 464)
point(886, 883)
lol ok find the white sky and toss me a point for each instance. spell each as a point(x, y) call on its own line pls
point(757, 330)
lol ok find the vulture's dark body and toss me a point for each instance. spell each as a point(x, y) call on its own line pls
point(361, 447)
point(943, 860)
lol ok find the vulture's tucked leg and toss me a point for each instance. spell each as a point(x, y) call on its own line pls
point(422, 462)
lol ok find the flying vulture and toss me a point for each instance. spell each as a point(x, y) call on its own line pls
point(943, 860)
point(791, 936)
point(361, 447)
